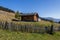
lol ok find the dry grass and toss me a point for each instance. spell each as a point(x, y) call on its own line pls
point(6, 16)
point(41, 23)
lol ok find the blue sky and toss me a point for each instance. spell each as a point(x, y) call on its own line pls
point(45, 8)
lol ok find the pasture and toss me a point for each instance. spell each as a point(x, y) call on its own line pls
point(8, 35)
point(19, 35)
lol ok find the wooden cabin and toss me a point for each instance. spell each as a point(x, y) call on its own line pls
point(29, 17)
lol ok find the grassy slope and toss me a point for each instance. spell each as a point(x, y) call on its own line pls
point(41, 23)
point(7, 35)
point(4, 16)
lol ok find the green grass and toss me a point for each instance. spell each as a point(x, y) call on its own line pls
point(38, 24)
point(8, 35)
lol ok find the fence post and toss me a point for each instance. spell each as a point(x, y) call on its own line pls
point(58, 28)
point(51, 30)
point(46, 29)
point(6, 25)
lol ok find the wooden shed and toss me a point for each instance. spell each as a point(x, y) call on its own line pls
point(29, 17)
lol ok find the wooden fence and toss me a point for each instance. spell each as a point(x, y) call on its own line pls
point(25, 28)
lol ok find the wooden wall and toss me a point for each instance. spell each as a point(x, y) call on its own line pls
point(29, 18)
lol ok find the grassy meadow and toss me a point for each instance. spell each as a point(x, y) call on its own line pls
point(8, 35)
point(12, 35)
point(42, 23)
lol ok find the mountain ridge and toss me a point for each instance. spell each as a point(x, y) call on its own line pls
point(51, 18)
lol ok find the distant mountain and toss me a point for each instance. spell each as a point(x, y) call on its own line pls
point(54, 19)
point(50, 18)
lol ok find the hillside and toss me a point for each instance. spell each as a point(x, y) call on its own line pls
point(6, 9)
point(6, 16)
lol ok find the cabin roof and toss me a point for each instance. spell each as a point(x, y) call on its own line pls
point(27, 14)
